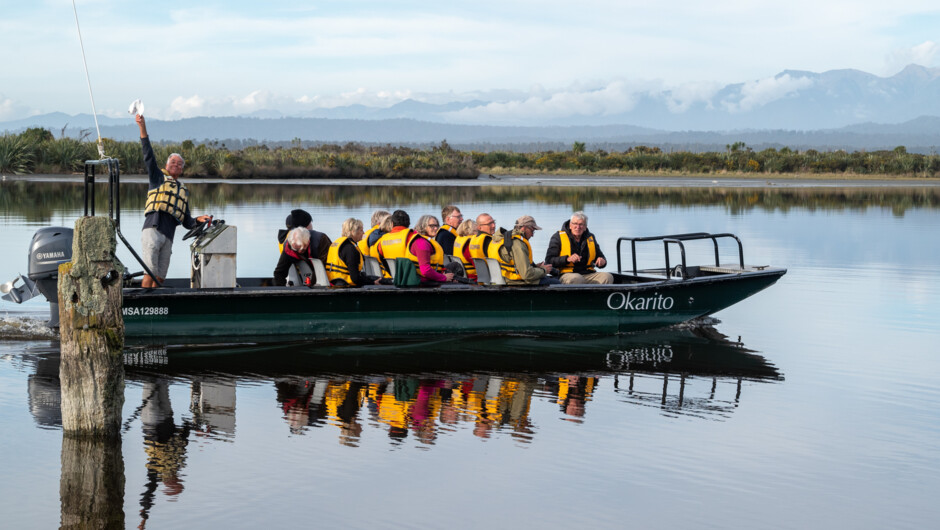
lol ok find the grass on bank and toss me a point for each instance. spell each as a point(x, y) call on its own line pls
point(37, 151)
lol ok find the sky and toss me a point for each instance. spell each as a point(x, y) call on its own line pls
point(534, 59)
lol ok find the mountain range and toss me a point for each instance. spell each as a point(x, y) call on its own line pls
point(837, 109)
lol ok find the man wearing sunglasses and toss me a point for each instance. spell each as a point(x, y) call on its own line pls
point(448, 233)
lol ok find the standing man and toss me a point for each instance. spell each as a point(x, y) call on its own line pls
point(451, 217)
point(574, 252)
point(167, 206)
point(515, 256)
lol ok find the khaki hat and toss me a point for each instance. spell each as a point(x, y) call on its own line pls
point(527, 220)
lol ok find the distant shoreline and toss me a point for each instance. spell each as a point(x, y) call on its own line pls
point(557, 178)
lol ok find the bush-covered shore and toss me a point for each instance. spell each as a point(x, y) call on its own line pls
point(37, 151)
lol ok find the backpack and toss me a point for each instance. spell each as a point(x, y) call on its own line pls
point(405, 273)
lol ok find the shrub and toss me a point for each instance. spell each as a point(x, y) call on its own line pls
point(15, 154)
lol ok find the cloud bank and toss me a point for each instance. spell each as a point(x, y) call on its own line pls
point(763, 91)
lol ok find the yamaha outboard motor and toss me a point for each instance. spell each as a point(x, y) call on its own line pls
point(50, 248)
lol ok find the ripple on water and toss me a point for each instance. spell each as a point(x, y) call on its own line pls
point(25, 327)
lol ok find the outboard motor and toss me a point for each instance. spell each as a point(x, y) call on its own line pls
point(50, 247)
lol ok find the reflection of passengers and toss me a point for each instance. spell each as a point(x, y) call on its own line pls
point(343, 401)
point(164, 443)
point(573, 392)
point(301, 402)
point(302, 246)
point(344, 261)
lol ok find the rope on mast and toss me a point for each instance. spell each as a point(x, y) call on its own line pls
point(94, 111)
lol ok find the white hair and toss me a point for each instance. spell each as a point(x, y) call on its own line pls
point(298, 237)
point(183, 160)
point(581, 216)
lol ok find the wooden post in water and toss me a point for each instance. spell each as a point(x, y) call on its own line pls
point(91, 489)
point(91, 330)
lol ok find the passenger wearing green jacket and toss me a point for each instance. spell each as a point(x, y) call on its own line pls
point(515, 256)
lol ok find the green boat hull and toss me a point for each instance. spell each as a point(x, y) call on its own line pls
point(281, 313)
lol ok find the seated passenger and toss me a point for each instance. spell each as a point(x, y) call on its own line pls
point(465, 232)
point(479, 244)
point(428, 226)
point(574, 252)
point(344, 263)
point(515, 256)
point(296, 218)
point(374, 233)
point(451, 218)
point(393, 243)
point(404, 243)
point(301, 245)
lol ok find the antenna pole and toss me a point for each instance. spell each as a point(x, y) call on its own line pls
point(94, 112)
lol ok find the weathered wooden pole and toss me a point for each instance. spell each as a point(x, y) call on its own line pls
point(91, 489)
point(91, 331)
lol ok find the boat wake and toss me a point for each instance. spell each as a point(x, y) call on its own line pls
point(25, 328)
point(701, 322)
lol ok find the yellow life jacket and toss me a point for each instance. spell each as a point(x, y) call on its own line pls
point(437, 257)
point(566, 251)
point(170, 197)
point(459, 244)
point(336, 268)
point(390, 411)
point(508, 268)
point(391, 246)
point(449, 228)
point(479, 245)
point(364, 242)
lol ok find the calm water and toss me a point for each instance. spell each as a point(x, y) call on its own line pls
point(813, 404)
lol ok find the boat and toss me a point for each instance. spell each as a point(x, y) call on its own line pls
point(214, 305)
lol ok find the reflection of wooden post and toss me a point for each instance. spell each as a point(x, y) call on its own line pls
point(91, 490)
point(92, 332)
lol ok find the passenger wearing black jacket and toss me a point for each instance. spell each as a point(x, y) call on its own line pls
point(575, 253)
point(305, 245)
point(344, 263)
point(451, 219)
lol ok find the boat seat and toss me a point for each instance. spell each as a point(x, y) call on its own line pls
point(721, 270)
point(371, 266)
point(483, 272)
point(319, 270)
point(301, 270)
point(496, 273)
point(296, 274)
point(391, 267)
point(448, 259)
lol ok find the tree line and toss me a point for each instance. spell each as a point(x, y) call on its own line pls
point(36, 150)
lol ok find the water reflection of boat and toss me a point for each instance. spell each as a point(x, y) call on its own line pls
point(697, 350)
point(487, 385)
